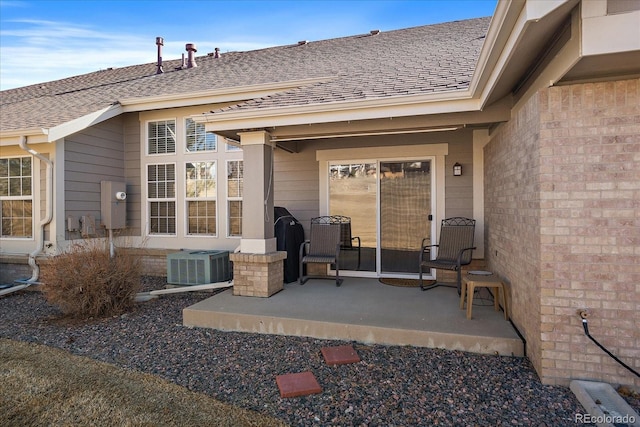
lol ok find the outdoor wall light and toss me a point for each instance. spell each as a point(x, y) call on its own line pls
point(457, 169)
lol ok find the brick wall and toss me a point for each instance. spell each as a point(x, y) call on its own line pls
point(512, 220)
point(590, 190)
point(584, 183)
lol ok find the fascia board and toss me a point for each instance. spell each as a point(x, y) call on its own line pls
point(506, 40)
point(76, 125)
point(597, 34)
point(215, 96)
point(502, 20)
point(539, 9)
point(339, 111)
point(496, 70)
point(12, 137)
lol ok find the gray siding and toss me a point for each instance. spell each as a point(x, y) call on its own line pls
point(132, 172)
point(93, 155)
point(296, 180)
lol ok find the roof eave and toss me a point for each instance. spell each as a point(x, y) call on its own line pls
point(54, 133)
point(215, 96)
point(68, 128)
point(388, 107)
point(509, 24)
point(12, 137)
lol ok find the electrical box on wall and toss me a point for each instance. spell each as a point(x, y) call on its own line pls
point(113, 206)
point(73, 223)
point(88, 228)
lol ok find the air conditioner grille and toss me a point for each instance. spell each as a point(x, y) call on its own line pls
point(198, 267)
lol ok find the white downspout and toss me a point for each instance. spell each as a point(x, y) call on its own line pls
point(48, 210)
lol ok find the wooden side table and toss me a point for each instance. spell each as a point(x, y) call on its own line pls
point(469, 284)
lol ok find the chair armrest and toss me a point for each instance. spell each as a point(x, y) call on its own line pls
point(302, 246)
point(425, 249)
point(356, 237)
point(462, 251)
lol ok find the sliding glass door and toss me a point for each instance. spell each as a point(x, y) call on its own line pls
point(353, 193)
point(389, 204)
point(405, 208)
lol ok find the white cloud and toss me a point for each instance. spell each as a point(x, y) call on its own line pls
point(39, 51)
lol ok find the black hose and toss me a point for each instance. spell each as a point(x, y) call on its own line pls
point(586, 331)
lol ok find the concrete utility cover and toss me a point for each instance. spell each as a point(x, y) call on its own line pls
point(604, 405)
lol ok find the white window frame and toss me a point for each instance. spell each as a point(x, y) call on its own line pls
point(173, 199)
point(207, 198)
point(22, 197)
point(233, 198)
point(148, 136)
point(206, 134)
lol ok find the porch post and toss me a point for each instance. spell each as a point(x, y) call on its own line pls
point(258, 268)
point(257, 198)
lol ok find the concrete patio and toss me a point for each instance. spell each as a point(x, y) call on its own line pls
point(367, 311)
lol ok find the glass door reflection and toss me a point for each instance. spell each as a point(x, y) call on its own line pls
point(353, 193)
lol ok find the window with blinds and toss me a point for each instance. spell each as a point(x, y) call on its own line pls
point(161, 137)
point(161, 195)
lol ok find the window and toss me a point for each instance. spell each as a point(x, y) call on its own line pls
point(234, 197)
point(200, 193)
point(16, 199)
point(232, 147)
point(161, 193)
point(161, 137)
point(198, 139)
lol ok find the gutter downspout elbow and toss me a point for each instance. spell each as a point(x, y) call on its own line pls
point(48, 211)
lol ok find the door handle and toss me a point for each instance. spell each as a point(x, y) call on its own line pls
point(430, 217)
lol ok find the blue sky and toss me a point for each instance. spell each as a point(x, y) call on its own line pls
point(46, 40)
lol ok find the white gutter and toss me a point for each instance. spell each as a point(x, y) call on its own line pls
point(397, 106)
point(48, 211)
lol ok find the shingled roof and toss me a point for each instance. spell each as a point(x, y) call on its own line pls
point(421, 60)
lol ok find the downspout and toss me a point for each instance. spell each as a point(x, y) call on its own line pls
point(48, 211)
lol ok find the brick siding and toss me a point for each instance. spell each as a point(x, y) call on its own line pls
point(563, 217)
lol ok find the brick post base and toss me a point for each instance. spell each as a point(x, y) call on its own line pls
point(258, 275)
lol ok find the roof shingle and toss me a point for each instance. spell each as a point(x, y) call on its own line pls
point(420, 60)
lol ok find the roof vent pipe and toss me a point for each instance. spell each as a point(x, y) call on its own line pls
point(374, 32)
point(217, 53)
point(191, 60)
point(159, 43)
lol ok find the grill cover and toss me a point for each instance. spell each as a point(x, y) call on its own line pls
point(289, 236)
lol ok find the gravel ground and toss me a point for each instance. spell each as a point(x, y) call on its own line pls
point(391, 386)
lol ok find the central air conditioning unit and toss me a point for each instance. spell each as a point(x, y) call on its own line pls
point(198, 267)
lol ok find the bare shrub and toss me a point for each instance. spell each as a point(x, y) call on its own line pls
point(86, 282)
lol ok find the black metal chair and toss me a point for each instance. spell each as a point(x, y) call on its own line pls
point(453, 251)
point(323, 247)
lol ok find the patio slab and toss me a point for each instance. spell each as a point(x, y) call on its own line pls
point(362, 310)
